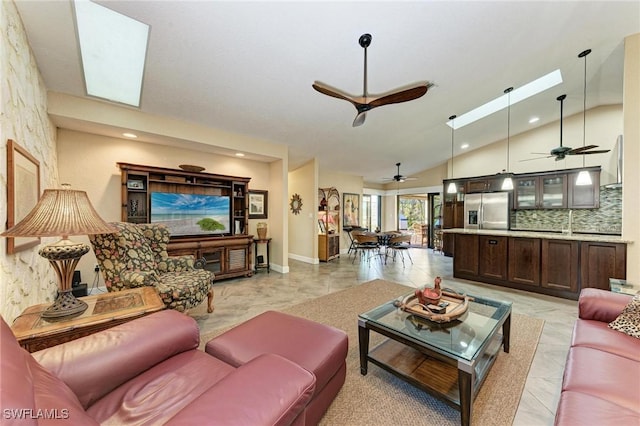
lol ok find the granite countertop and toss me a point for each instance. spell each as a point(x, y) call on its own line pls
point(550, 235)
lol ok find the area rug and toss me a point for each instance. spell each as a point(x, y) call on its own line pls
point(379, 398)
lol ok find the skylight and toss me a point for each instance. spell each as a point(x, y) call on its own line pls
point(113, 49)
point(521, 93)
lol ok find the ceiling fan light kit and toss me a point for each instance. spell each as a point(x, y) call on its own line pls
point(365, 102)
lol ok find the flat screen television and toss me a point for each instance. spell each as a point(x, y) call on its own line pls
point(192, 214)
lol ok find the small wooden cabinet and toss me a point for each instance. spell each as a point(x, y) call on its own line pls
point(465, 261)
point(524, 261)
point(559, 266)
point(601, 261)
point(226, 252)
point(493, 261)
point(583, 197)
point(485, 184)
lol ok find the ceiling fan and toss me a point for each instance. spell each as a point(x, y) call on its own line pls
point(562, 151)
point(399, 177)
point(365, 102)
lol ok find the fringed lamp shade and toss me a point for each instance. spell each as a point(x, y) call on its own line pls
point(62, 212)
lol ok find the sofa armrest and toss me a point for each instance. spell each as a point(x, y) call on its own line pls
point(95, 365)
point(268, 390)
point(601, 305)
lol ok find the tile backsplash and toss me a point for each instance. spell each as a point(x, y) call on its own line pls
point(605, 220)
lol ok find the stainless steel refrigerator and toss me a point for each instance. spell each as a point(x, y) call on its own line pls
point(488, 210)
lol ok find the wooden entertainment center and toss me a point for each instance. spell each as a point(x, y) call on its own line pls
point(227, 253)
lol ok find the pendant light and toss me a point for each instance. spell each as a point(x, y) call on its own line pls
point(584, 177)
point(451, 189)
point(507, 183)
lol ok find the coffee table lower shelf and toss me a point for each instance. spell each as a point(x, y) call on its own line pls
point(439, 377)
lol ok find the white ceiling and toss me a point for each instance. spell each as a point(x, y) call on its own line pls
point(247, 67)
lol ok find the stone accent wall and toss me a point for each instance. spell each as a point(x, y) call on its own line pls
point(606, 220)
point(25, 277)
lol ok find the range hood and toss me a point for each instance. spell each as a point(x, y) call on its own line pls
point(620, 151)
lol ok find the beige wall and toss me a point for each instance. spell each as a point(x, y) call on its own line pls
point(88, 163)
point(303, 228)
point(631, 178)
point(25, 278)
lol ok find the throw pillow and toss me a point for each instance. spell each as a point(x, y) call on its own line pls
point(628, 322)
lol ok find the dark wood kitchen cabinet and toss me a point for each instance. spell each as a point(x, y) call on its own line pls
point(601, 261)
point(452, 213)
point(492, 263)
point(585, 196)
point(524, 261)
point(465, 262)
point(485, 184)
point(559, 266)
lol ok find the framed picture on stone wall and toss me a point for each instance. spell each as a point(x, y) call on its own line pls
point(23, 192)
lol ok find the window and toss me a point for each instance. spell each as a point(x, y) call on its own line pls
point(371, 211)
point(412, 209)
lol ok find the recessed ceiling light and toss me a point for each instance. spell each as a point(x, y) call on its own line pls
point(464, 146)
point(130, 135)
point(534, 120)
point(239, 154)
point(521, 93)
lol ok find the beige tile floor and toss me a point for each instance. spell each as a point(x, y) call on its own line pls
point(240, 299)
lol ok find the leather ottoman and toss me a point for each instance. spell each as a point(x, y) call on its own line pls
point(318, 348)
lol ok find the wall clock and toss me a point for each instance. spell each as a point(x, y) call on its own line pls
point(295, 204)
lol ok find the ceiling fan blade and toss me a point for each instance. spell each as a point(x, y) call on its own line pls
point(401, 96)
point(333, 92)
point(359, 120)
point(598, 151)
point(536, 158)
point(580, 149)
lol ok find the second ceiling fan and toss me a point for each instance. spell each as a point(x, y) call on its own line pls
point(562, 151)
point(398, 177)
point(365, 102)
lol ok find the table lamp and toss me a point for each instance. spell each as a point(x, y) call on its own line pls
point(62, 212)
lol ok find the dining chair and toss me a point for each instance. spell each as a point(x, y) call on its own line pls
point(400, 244)
point(365, 242)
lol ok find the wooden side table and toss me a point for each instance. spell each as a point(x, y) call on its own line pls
point(262, 265)
point(105, 311)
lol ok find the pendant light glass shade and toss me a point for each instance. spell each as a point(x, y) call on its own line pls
point(507, 183)
point(584, 178)
point(451, 189)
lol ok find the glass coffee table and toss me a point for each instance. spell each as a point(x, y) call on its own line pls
point(448, 360)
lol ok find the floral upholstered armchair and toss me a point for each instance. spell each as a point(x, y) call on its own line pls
point(136, 256)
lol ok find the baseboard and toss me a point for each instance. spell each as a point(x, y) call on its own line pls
point(304, 259)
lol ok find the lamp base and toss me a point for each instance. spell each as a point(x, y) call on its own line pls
point(65, 306)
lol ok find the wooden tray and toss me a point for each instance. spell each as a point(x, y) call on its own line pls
point(458, 305)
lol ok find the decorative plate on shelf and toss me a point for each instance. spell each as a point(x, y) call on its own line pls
point(191, 168)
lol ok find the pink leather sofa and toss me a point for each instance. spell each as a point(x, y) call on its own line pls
point(602, 373)
point(150, 371)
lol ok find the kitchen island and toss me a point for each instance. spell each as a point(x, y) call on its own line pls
point(553, 263)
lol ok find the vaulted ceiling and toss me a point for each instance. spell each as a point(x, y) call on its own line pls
point(247, 68)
